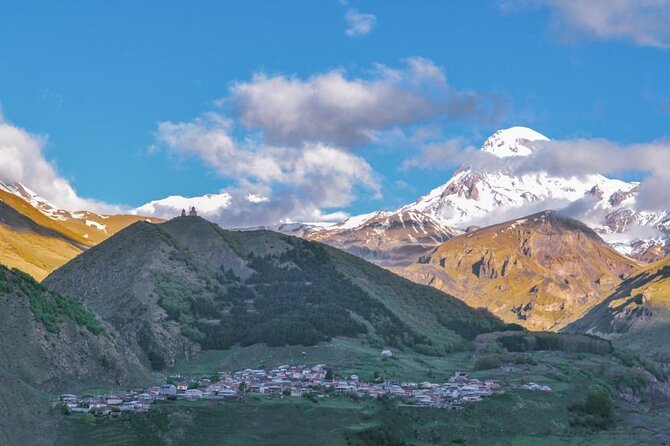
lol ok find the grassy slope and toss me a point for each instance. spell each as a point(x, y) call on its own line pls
point(516, 418)
point(24, 208)
point(42, 356)
point(37, 244)
point(33, 253)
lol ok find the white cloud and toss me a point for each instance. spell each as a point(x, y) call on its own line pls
point(333, 108)
point(645, 22)
point(22, 160)
point(440, 155)
point(359, 24)
point(297, 183)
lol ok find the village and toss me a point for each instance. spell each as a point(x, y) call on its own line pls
point(287, 382)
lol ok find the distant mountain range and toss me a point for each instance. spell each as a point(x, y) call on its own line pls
point(471, 198)
point(474, 196)
point(485, 197)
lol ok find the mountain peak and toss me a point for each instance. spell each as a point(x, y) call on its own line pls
point(514, 141)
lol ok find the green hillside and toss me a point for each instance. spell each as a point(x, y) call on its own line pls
point(175, 288)
point(50, 343)
point(517, 417)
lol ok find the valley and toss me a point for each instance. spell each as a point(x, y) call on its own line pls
point(518, 416)
point(186, 298)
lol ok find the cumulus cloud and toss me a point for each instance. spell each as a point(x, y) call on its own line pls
point(293, 141)
point(334, 108)
point(645, 22)
point(440, 155)
point(298, 181)
point(359, 24)
point(22, 160)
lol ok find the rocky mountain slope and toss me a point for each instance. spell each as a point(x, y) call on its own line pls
point(541, 271)
point(386, 238)
point(37, 237)
point(635, 315)
point(50, 343)
point(31, 247)
point(174, 288)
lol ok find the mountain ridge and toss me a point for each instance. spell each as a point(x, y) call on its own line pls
point(540, 271)
point(37, 237)
point(186, 284)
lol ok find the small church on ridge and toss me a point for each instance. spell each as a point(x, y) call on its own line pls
point(191, 213)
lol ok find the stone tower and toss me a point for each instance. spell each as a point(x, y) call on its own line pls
point(183, 212)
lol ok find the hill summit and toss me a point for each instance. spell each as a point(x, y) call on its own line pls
point(171, 289)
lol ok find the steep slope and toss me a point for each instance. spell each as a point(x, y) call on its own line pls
point(174, 288)
point(636, 315)
point(540, 271)
point(37, 238)
point(50, 343)
point(389, 239)
point(32, 248)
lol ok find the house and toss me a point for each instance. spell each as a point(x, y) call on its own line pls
point(297, 392)
point(182, 387)
point(193, 394)
point(68, 398)
point(130, 405)
point(387, 353)
point(113, 400)
point(167, 389)
point(228, 393)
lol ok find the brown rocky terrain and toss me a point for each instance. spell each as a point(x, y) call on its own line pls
point(37, 238)
point(636, 314)
point(542, 271)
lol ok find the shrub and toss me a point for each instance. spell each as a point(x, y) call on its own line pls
point(514, 343)
point(633, 379)
point(595, 412)
point(488, 362)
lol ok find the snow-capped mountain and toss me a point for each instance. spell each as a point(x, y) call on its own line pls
point(473, 197)
point(481, 197)
point(86, 227)
point(33, 198)
point(387, 238)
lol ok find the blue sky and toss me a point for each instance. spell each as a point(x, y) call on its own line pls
point(98, 78)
